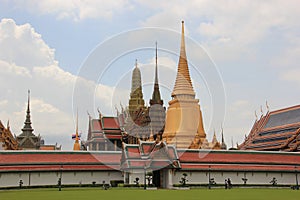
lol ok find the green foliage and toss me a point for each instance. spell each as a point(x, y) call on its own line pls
point(115, 183)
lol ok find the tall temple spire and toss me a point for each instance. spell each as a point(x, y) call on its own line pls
point(183, 83)
point(27, 140)
point(156, 98)
point(76, 146)
point(27, 129)
point(157, 112)
point(223, 144)
point(136, 100)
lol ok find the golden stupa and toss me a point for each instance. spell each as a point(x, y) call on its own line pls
point(184, 124)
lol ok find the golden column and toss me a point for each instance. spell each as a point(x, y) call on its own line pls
point(184, 124)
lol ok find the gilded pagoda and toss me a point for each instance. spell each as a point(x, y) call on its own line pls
point(184, 124)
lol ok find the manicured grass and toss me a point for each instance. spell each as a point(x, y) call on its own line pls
point(132, 194)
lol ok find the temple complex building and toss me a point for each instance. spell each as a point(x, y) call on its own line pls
point(278, 130)
point(184, 124)
point(104, 134)
point(181, 126)
point(27, 139)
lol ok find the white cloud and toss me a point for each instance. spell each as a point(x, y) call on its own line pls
point(75, 9)
point(232, 25)
point(291, 75)
point(11, 69)
point(51, 87)
point(21, 45)
point(3, 103)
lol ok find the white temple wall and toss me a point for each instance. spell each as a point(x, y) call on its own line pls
point(169, 177)
point(201, 177)
point(51, 178)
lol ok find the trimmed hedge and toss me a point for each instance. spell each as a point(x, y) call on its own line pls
point(115, 183)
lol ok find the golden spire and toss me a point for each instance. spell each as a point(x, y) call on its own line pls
point(183, 83)
point(76, 146)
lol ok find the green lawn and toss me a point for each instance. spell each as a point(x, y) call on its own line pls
point(131, 194)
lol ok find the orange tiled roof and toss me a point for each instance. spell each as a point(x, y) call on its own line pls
point(189, 160)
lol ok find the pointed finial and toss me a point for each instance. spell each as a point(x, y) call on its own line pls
point(268, 108)
point(100, 114)
point(90, 117)
point(156, 74)
point(77, 125)
point(261, 111)
point(122, 108)
point(8, 124)
point(28, 101)
point(222, 133)
point(117, 110)
point(136, 63)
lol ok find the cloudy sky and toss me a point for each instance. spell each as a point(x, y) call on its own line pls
point(79, 54)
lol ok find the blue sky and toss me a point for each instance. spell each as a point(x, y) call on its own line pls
point(44, 46)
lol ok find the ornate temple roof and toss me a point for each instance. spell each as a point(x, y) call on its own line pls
point(150, 155)
point(7, 140)
point(276, 131)
point(104, 128)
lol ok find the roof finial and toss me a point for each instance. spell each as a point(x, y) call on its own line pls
point(136, 63)
point(28, 109)
point(222, 134)
point(90, 117)
point(8, 126)
point(255, 115)
point(268, 108)
point(156, 74)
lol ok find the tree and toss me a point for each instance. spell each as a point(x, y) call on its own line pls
point(149, 178)
point(137, 181)
point(183, 179)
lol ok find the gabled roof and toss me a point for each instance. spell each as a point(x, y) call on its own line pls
point(149, 155)
point(275, 131)
point(104, 128)
point(110, 123)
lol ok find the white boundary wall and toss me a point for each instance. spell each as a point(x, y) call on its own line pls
point(10, 179)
